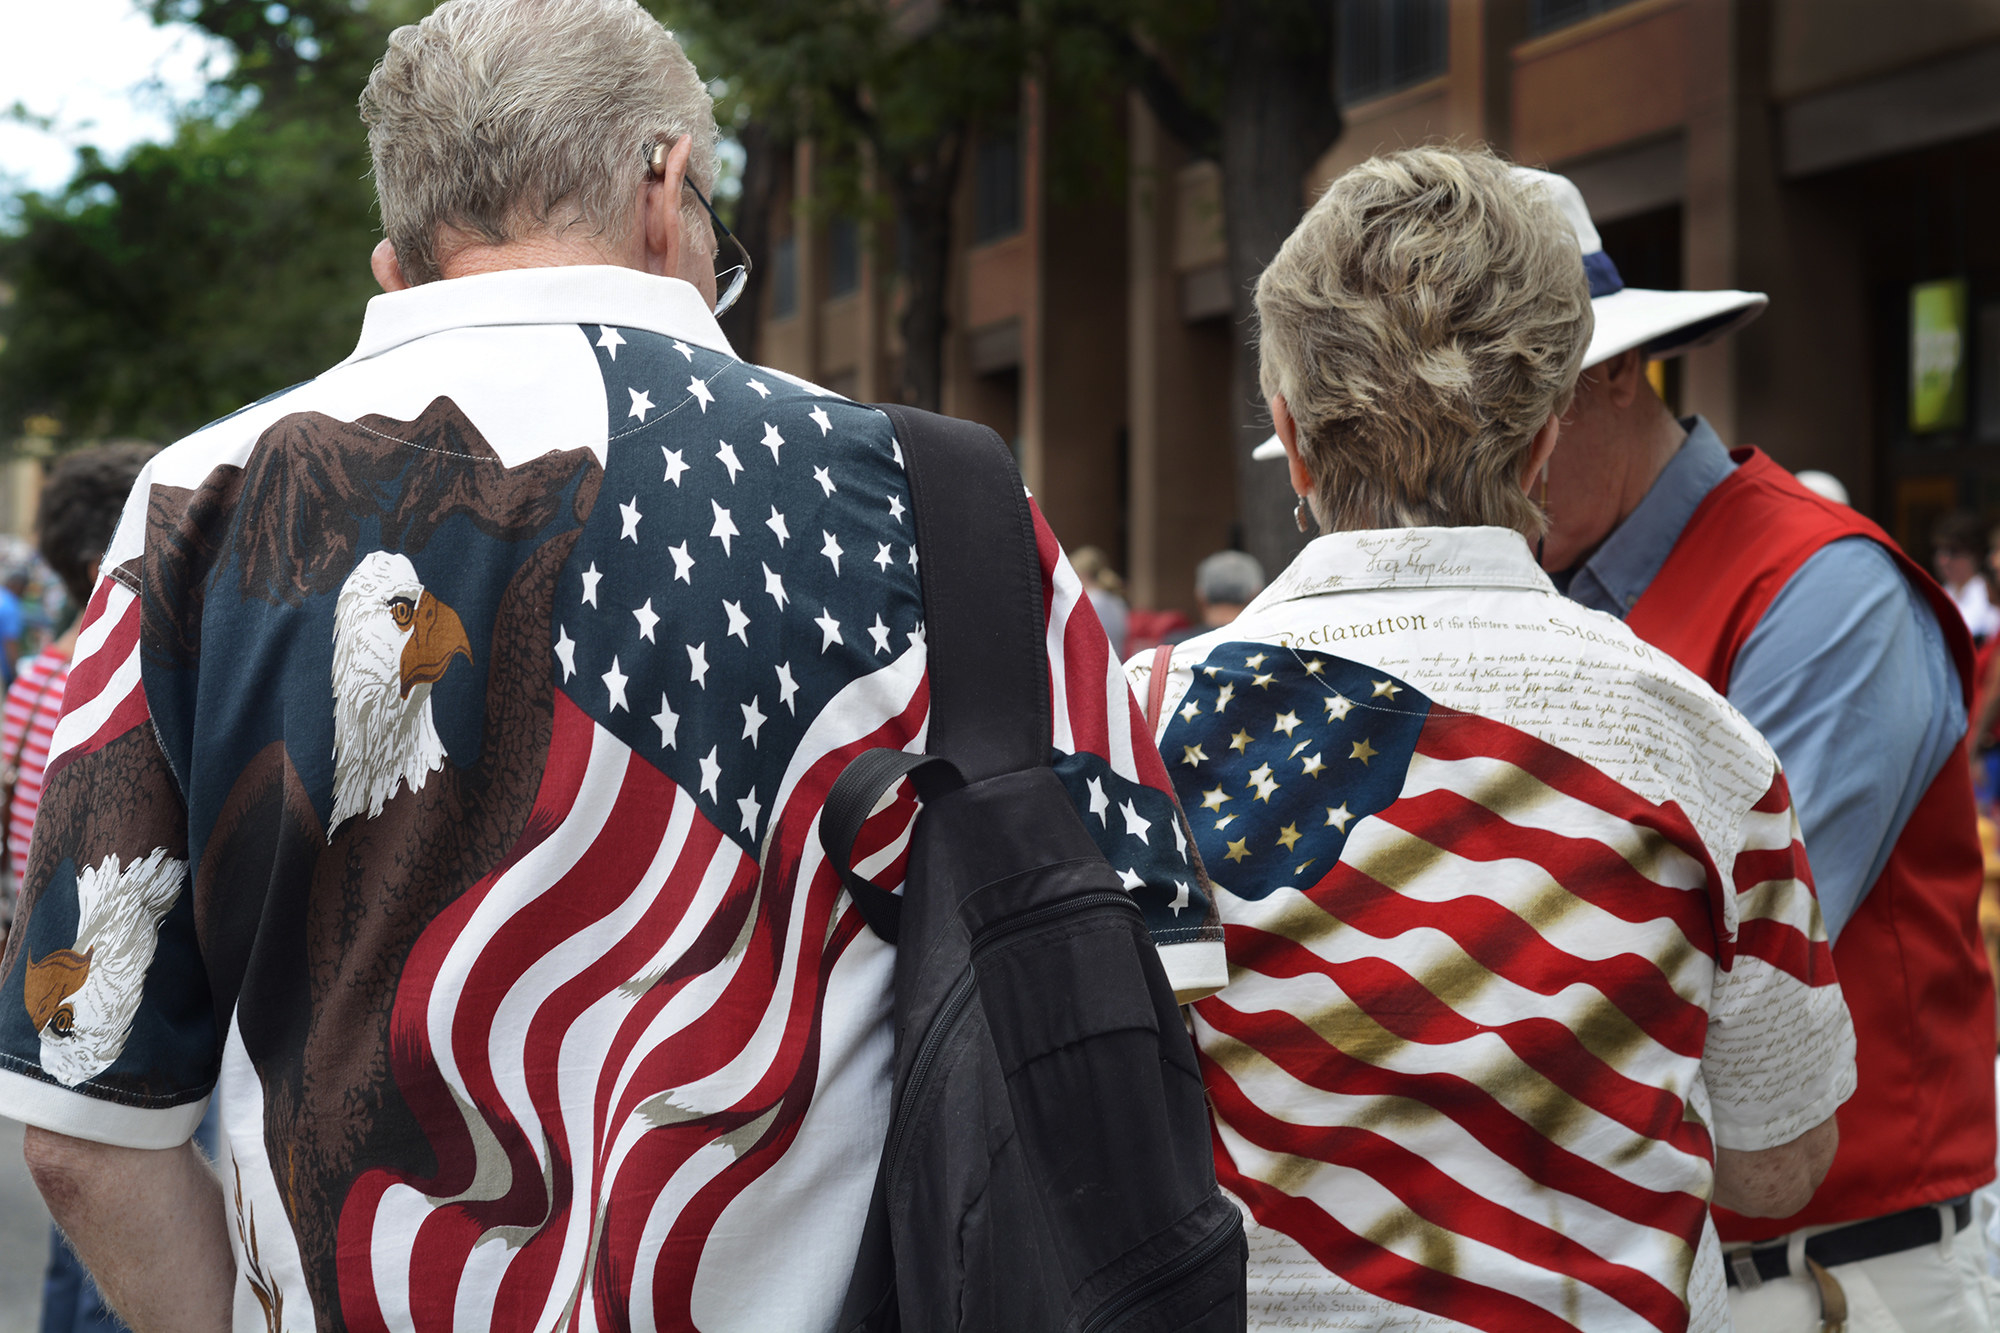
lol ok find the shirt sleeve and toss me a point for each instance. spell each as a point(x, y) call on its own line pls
point(107, 1030)
point(1848, 677)
point(1779, 1055)
point(1113, 772)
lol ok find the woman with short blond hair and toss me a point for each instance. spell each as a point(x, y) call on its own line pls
point(1499, 1024)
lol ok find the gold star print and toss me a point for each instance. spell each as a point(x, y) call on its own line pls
point(1263, 681)
point(1224, 822)
point(1210, 672)
point(1288, 836)
point(1192, 756)
point(1191, 712)
point(1300, 746)
point(1213, 799)
point(1254, 662)
point(1238, 849)
point(1338, 707)
point(1287, 722)
point(1383, 689)
point(1337, 817)
point(1240, 741)
point(1363, 750)
point(1313, 668)
point(1301, 869)
point(1223, 696)
point(1313, 766)
point(1261, 779)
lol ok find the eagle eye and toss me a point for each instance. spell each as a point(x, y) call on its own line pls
point(403, 611)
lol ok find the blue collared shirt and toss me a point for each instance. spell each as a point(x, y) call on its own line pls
point(1847, 675)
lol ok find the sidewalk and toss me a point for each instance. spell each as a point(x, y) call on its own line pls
point(24, 1237)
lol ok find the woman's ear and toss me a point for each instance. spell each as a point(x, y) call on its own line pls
point(1540, 450)
point(1288, 435)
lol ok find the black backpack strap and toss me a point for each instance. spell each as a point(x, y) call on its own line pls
point(983, 637)
point(984, 622)
point(852, 799)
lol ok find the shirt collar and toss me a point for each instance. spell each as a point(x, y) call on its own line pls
point(1407, 558)
point(1625, 565)
point(568, 294)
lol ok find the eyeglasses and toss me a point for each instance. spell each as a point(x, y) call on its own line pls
point(729, 281)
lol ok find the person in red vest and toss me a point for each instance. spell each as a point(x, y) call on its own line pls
point(1857, 668)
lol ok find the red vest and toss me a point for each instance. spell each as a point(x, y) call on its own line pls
point(1920, 1126)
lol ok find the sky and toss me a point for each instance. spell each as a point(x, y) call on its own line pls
point(100, 70)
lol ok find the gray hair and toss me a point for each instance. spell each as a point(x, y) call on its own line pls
point(501, 118)
point(1423, 322)
point(1228, 578)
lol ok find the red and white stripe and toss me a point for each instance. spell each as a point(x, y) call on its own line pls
point(1467, 1070)
point(105, 697)
point(29, 720)
point(618, 1032)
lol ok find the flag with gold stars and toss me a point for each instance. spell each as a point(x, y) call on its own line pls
point(1277, 755)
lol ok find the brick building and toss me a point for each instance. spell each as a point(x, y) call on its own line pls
point(1841, 155)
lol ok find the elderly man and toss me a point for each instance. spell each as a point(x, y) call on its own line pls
point(442, 757)
point(1524, 967)
point(1856, 667)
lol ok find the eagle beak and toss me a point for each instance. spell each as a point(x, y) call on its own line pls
point(436, 636)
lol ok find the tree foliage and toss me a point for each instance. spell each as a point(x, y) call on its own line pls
point(156, 292)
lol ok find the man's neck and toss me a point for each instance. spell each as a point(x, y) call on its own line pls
point(1655, 440)
point(527, 252)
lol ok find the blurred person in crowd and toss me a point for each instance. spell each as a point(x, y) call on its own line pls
point(1106, 591)
point(12, 622)
point(1511, 999)
point(1224, 584)
point(1958, 556)
point(1857, 668)
point(440, 768)
point(79, 508)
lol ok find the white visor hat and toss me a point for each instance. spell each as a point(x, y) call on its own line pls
point(1665, 324)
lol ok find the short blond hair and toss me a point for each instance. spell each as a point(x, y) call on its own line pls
point(1423, 321)
point(504, 118)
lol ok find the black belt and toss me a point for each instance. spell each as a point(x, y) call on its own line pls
point(1850, 1244)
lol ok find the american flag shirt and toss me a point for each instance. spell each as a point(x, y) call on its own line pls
point(1519, 931)
point(440, 771)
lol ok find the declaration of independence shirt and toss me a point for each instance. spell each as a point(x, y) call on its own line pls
point(441, 768)
point(1519, 931)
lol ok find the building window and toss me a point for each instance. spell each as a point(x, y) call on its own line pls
point(996, 187)
point(1390, 44)
point(785, 278)
point(843, 256)
point(1548, 15)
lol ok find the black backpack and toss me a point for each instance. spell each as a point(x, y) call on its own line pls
point(1048, 1164)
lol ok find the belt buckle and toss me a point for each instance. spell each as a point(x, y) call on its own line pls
point(1743, 1263)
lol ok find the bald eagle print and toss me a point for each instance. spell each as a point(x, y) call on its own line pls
point(438, 782)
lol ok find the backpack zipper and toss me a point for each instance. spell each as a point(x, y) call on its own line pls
point(1109, 1315)
point(960, 995)
point(1048, 911)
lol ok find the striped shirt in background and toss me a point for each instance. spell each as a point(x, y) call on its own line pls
point(33, 701)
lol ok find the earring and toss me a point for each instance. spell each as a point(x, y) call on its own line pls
point(1302, 515)
point(1541, 542)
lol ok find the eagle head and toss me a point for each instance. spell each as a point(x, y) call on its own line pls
point(392, 640)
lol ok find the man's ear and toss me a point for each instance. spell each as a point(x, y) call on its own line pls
point(387, 268)
point(660, 209)
point(1625, 376)
point(1288, 435)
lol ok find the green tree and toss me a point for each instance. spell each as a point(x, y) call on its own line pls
point(156, 292)
point(907, 86)
point(892, 96)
